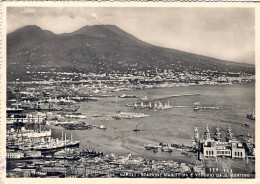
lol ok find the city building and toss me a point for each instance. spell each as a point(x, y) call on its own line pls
point(11, 154)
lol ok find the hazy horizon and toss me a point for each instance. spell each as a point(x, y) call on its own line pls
point(228, 35)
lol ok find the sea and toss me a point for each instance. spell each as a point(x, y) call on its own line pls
point(225, 106)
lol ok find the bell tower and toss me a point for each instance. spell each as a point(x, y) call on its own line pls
point(230, 135)
point(217, 134)
point(196, 134)
point(207, 133)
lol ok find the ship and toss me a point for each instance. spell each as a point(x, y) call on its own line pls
point(245, 125)
point(167, 106)
point(160, 106)
point(155, 106)
point(68, 155)
point(135, 105)
point(151, 146)
point(211, 108)
point(48, 106)
point(166, 149)
point(26, 134)
point(14, 110)
point(251, 115)
point(150, 105)
point(142, 105)
point(128, 96)
point(129, 115)
point(53, 145)
point(136, 129)
point(102, 127)
point(91, 153)
point(144, 98)
point(196, 106)
point(76, 116)
point(38, 140)
point(77, 126)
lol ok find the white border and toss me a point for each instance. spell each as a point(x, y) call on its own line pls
point(3, 178)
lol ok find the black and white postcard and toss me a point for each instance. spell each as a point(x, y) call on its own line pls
point(114, 91)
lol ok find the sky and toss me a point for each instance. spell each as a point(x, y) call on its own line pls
point(223, 33)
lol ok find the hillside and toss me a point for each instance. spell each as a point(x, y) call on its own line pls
point(100, 48)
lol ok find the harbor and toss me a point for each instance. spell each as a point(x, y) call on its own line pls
point(162, 132)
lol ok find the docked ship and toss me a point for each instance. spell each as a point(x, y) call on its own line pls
point(26, 134)
point(39, 140)
point(25, 118)
point(48, 106)
point(14, 110)
point(53, 146)
point(67, 154)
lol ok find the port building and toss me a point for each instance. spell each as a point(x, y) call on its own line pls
point(213, 147)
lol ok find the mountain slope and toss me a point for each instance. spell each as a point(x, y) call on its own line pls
point(100, 48)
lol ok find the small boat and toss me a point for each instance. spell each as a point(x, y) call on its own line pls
point(135, 105)
point(196, 108)
point(245, 124)
point(150, 105)
point(142, 105)
point(136, 129)
point(103, 127)
point(155, 150)
point(167, 106)
point(116, 117)
point(251, 115)
point(127, 96)
point(166, 149)
point(144, 98)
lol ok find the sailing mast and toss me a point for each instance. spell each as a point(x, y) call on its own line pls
point(62, 136)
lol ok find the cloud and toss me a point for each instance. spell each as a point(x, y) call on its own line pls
point(95, 17)
point(72, 16)
point(28, 11)
point(108, 15)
